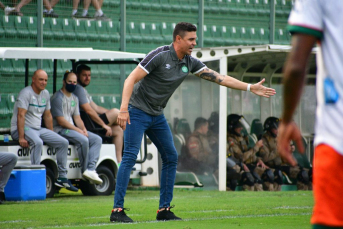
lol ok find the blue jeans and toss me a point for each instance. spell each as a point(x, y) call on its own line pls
point(157, 129)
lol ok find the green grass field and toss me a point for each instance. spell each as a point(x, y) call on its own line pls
point(198, 208)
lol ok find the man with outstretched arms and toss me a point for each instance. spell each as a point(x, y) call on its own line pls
point(65, 111)
point(32, 104)
point(311, 22)
point(145, 94)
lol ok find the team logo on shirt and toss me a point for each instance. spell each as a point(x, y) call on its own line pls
point(184, 69)
point(73, 103)
point(168, 66)
point(43, 100)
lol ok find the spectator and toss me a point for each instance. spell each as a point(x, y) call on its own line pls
point(271, 157)
point(6, 9)
point(198, 156)
point(213, 131)
point(101, 116)
point(65, 111)
point(99, 15)
point(32, 104)
point(252, 165)
point(7, 161)
point(48, 11)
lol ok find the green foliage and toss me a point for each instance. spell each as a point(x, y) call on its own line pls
point(199, 209)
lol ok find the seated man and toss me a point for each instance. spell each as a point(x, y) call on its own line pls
point(252, 165)
point(65, 109)
point(198, 156)
point(271, 158)
point(102, 117)
point(7, 161)
point(32, 103)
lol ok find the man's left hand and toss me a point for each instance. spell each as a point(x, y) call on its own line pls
point(261, 90)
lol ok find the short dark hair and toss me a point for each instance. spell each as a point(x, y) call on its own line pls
point(183, 27)
point(81, 68)
point(199, 122)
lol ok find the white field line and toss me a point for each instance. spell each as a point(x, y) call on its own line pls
point(15, 221)
point(294, 207)
point(185, 220)
point(209, 211)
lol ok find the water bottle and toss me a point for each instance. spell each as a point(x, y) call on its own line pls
point(6, 138)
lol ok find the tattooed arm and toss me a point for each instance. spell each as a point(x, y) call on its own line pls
point(230, 82)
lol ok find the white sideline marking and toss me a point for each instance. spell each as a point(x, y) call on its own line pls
point(15, 221)
point(220, 210)
point(185, 220)
point(293, 207)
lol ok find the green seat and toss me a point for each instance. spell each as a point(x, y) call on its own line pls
point(208, 41)
point(2, 31)
point(217, 35)
point(68, 30)
point(47, 31)
point(182, 127)
point(156, 34)
point(179, 142)
point(167, 32)
point(134, 33)
point(4, 112)
point(32, 25)
point(251, 140)
point(187, 179)
point(256, 128)
point(21, 24)
point(8, 23)
point(19, 67)
point(144, 32)
point(80, 31)
point(99, 100)
point(11, 98)
point(57, 29)
point(302, 159)
point(102, 32)
point(90, 28)
point(6, 67)
point(151, 5)
point(104, 70)
point(112, 101)
point(63, 66)
point(113, 29)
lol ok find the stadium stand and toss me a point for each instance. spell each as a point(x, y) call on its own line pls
point(149, 24)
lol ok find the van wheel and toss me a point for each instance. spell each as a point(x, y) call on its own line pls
point(106, 188)
point(50, 183)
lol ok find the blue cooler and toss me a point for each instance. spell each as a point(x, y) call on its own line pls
point(26, 182)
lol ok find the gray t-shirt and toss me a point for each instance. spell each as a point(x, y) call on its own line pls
point(35, 104)
point(82, 94)
point(62, 105)
point(165, 73)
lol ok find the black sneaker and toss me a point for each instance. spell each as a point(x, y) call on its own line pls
point(65, 183)
point(80, 17)
point(2, 197)
point(50, 14)
point(102, 18)
point(166, 214)
point(120, 216)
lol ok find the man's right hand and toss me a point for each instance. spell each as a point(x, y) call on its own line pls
point(108, 130)
point(81, 132)
point(245, 168)
point(23, 143)
point(259, 144)
point(123, 118)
